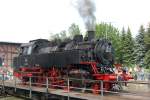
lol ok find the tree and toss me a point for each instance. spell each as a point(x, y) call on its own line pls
point(55, 39)
point(63, 35)
point(73, 30)
point(130, 48)
point(54, 36)
point(127, 48)
point(140, 46)
point(147, 59)
point(122, 46)
point(101, 30)
point(147, 43)
point(147, 38)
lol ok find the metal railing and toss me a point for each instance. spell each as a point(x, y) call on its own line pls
point(47, 85)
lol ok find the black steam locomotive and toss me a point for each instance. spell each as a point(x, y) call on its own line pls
point(46, 54)
point(80, 57)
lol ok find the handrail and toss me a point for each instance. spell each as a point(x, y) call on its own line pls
point(48, 83)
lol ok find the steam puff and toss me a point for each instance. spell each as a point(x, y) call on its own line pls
point(86, 9)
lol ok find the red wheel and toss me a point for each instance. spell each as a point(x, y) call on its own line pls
point(40, 78)
point(54, 74)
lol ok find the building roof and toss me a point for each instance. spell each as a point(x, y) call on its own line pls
point(10, 43)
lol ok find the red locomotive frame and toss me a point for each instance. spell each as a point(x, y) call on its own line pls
point(108, 79)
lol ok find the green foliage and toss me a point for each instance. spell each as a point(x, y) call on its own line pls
point(73, 30)
point(147, 38)
point(147, 43)
point(140, 46)
point(147, 59)
point(127, 48)
point(62, 36)
point(122, 46)
point(55, 38)
point(130, 47)
point(101, 30)
point(59, 37)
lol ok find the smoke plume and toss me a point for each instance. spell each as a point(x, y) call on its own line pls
point(86, 9)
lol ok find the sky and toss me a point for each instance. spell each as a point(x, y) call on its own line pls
point(25, 20)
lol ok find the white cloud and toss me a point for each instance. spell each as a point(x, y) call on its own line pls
point(24, 20)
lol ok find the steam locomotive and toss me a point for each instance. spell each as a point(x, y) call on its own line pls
point(80, 57)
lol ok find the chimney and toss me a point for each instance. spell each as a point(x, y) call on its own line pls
point(91, 35)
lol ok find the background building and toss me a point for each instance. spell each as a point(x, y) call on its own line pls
point(8, 51)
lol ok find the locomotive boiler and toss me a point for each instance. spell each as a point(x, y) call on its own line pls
point(45, 53)
point(80, 57)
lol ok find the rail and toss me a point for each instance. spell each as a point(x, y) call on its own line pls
point(48, 85)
